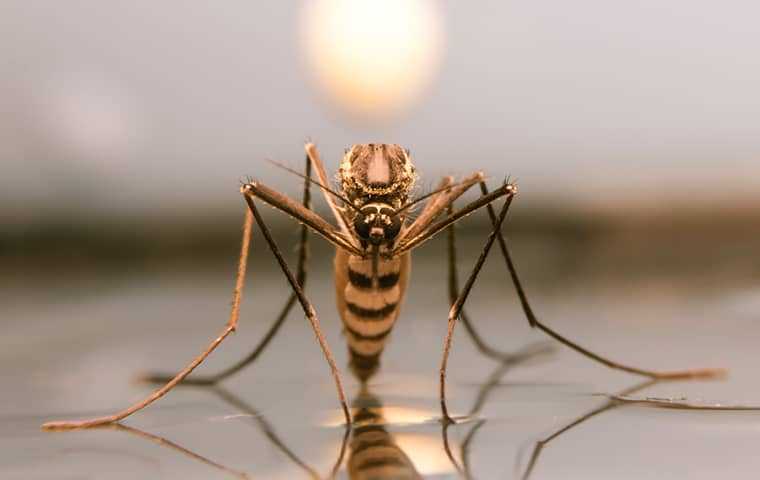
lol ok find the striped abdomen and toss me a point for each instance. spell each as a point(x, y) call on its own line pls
point(374, 453)
point(368, 313)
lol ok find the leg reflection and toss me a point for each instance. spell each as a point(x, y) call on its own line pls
point(607, 406)
point(625, 398)
point(269, 432)
point(164, 442)
point(510, 361)
point(265, 427)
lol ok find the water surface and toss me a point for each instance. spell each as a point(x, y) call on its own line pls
point(73, 350)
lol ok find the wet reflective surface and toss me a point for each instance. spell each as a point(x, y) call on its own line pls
point(75, 350)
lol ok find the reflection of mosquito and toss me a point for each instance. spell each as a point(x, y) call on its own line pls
point(625, 398)
point(609, 405)
point(373, 239)
point(622, 398)
point(508, 363)
point(159, 440)
point(373, 450)
point(255, 416)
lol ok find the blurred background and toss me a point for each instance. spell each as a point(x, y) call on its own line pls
point(632, 129)
point(125, 128)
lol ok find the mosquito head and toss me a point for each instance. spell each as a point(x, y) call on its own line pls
point(377, 172)
point(377, 223)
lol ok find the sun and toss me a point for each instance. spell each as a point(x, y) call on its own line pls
point(372, 59)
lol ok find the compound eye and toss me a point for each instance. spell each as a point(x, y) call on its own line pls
point(392, 230)
point(362, 226)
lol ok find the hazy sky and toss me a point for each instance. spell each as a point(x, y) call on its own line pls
point(151, 106)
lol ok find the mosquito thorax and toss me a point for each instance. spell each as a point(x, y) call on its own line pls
point(377, 179)
point(377, 172)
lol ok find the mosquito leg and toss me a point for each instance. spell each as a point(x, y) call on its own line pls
point(481, 344)
point(438, 203)
point(305, 216)
point(307, 307)
point(312, 154)
point(229, 328)
point(456, 308)
point(524, 355)
point(410, 243)
point(303, 256)
point(534, 322)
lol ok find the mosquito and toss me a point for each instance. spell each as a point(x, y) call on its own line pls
point(373, 235)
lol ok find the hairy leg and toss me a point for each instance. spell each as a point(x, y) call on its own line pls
point(174, 381)
point(453, 282)
point(303, 256)
point(534, 322)
point(456, 308)
point(306, 305)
